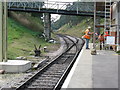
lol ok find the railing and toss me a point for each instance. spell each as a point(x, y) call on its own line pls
point(53, 5)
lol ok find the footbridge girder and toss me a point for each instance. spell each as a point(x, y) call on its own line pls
point(54, 11)
point(66, 8)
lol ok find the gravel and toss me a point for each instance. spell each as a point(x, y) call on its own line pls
point(9, 80)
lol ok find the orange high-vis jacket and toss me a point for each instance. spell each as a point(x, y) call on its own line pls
point(101, 38)
point(87, 35)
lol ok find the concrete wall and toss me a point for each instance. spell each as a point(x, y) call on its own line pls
point(15, 66)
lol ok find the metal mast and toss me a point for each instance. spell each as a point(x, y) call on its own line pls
point(94, 25)
point(3, 31)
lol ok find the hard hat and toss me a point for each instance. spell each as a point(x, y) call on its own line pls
point(89, 27)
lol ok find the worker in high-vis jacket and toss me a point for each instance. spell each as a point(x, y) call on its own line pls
point(87, 36)
point(101, 40)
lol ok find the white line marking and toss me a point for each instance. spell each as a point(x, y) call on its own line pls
point(66, 83)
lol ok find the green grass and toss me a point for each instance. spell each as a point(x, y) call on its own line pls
point(77, 30)
point(21, 40)
point(118, 52)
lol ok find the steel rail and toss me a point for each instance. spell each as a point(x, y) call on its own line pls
point(22, 86)
point(62, 79)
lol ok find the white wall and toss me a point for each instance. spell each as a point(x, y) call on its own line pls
point(114, 11)
point(116, 17)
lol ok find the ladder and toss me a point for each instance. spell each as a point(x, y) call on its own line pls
point(107, 20)
point(107, 24)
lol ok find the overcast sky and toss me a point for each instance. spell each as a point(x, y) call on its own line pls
point(56, 16)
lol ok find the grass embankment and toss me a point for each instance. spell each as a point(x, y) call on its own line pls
point(28, 20)
point(77, 30)
point(21, 40)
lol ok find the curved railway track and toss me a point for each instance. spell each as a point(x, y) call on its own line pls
point(52, 75)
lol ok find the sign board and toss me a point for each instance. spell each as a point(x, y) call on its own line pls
point(110, 40)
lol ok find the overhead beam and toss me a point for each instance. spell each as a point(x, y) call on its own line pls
point(54, 11)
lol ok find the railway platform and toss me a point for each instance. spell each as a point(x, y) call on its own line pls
point(94, 71)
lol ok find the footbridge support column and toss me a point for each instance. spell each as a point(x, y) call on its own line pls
point(98, 23)
point(3, 31)
point(47, 26)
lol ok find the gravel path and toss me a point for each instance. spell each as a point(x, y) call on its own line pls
point(53, 54)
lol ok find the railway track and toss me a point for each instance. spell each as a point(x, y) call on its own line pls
point(52, 75)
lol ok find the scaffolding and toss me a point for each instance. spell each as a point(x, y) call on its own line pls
point(108, 25)
point(107, 20)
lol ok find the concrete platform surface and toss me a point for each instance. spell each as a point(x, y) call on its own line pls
point(15, 66)
point(94, 71)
